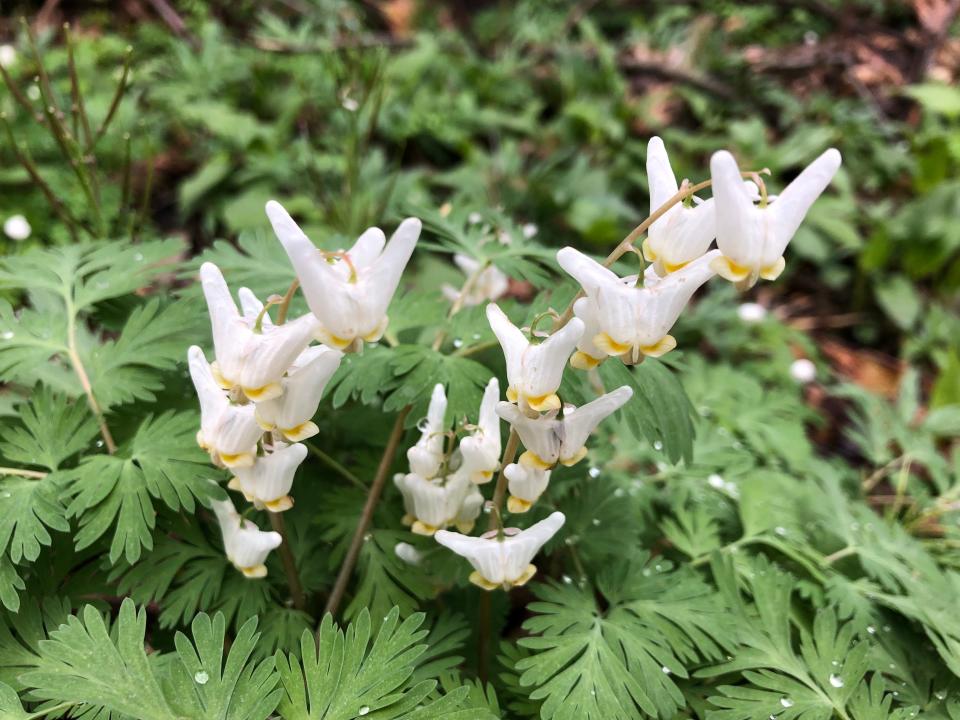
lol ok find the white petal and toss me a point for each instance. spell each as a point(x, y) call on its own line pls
point(252, 307)
point(521, 548)
point(586, 310)
point(665, 301)
point(660, 177)
point(384, 276)
point(486, 555)
point(367, 248)
point(466, 263)
point(229, 330)
point(271, 476)
point(578, 425)
point(540, 435)
point(738, 226)
point(513, 342)
point(588, 272)
point(793, 203)
point(269, 354)
point(526, 483)
point(543, 364)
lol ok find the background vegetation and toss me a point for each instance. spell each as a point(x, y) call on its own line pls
point(793, 547)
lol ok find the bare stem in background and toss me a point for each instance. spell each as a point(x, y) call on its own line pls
point(81, 372)
point(289, 563)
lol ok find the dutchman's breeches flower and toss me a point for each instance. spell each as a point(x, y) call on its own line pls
point(252, 353)
point(488, 286)
point(347, 291)
point(526, 485)
point(291, 414)
point(550, 440)
point(681, 234)
point(633, 321)
point(753, 237)
point(267, 482)
point(427, 455)
point(245, 544)
point(534, 371)
point(503, 562)
point(228, 432)
point(435, 504)
point(480, 452)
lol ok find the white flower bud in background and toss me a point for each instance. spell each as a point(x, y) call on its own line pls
point(16, 227)
point(408, 553)
point(490, 284)
point(751, 312)
point(8, 55)
point(529, 230)
point(803, 371)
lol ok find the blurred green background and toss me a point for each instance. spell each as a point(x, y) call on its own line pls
point(535, 113)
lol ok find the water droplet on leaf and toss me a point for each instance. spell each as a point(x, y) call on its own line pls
point(201, 677)
point(836, 681)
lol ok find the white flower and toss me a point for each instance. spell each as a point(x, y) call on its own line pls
point(427, 455)
point(803, 371)
point(550, 440)
point(408, 553)
point(490, 284)
point(752, 237)
point(348, 292)
point(480, 452)
point(267, 482)
point(529, 230)
point(17, 228)
point(252, 353)
point(588, 355)
point(634, 321)
point(434, 504)
point(245, 544)
point(526, 485)
point(534, 372)
point(503, 562)
point(682, 234)
point(228, 432)
point(291, 413)
point(751, 312)
point(8, 55)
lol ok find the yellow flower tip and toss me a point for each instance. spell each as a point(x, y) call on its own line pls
point(407, 520)
point(481, 477)
point(334, 341)
point(673, 267)
point(665, 345)
point(201, 442)
point(649, 254)
point(300, 432)
point(729, 270)
point(256, 571)
point(610, 346)
point(518, 505)
point(531, 460)
point(266, 392)
point(378, 332)
point(280, 504)
point(465, 527)
point(772, 272)
point(480, 581)
point(525, 578)
point(581, 361)
point(237, 460)
point(234, 484)
point(219, 378)
point(421, 528)
point(575, 458)
point(543, 403)
point(512, 394)
point(264, 425)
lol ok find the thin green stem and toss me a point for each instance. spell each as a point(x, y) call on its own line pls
point(36, 474)
point(289, 563)
point(839, 555)
point(334, 465)
point(115, 103)
point(85, 383)
point(500, 491)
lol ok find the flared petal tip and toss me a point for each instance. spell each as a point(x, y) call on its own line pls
point(833, 158)
point(209, 271)
point(655, 144)
point(722, 160)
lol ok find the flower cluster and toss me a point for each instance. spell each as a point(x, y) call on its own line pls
point(260, 394)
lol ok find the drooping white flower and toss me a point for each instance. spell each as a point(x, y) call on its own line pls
point(348, 292)
point(228, 432)
point(490, 284)
point(480, 452)
point(16, 227)
point(252, 353)
point(534, 372)
point(427, 455)
point(503, 562)
point(753, 237)
point(291, 414)
point(246, 545)
point(267, 482)
point(635, 321)
point(434, 504)
point(682, 234)
point(526, 485)
point(549, 439)
point(803, 371)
